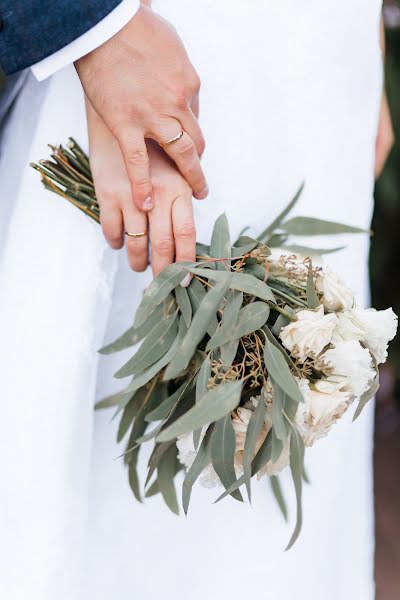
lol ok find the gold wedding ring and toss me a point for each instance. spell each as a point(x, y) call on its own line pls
point(172, 140)
point(136, 235)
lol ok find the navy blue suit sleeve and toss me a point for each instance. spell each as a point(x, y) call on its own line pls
point(31, 30)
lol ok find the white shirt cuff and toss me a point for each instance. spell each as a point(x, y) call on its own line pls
point(95, 37)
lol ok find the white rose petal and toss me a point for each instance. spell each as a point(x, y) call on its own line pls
point(349, 362)
point(325, 402)
point(336, 294)
point(309, 335)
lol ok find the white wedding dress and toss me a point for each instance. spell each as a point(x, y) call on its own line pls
point(290, 92)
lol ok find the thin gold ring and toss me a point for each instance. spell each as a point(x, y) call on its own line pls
point(136, 235)
point(172, 140)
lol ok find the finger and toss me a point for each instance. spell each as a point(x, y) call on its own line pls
point(190, 124)
point(183, 152)
point(112, 224)
point(136, 247)
point(133, 147)
point(184, 232)
point(161, 235)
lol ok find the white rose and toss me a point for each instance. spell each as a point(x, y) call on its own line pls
point(309, 335)
point(348, 362)
point(375, 327)
point(336, 294)
point(325, 402)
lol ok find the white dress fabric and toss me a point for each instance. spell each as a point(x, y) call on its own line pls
point(290, 92)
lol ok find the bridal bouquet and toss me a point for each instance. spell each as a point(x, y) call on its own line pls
point(255, 361)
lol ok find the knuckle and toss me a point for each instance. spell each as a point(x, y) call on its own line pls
point(114, 239)
point(201, 146)
point(181, 100)
point(186, 230)
point(137, 158)
point(187, 150)
point(194, 83)
point(164, 246)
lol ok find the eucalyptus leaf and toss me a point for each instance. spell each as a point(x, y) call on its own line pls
point(202, 380)
point(279, 497)
point(279, 371)
point(164, 409)
point(132, 336)
point(230, 315)
point(155, 457)
point(159, 289)
point(277, 448)
point(143, 378)
point(111, 401)
point(238, 251)
point(223, 447)
point(203, 458)
point(154, 346)
point(183, 301)
point(153, 490)
point(196, 293)
point(280, 322)
point(308, 251)
point(254, 429)
point(277, 222)
point(128, 415)
point(239, 281)
point(220, 241)
point(296, 468)
point(217, 403)
point(166, 471)
point(277, 345)
point(198, 328)
point(366, 397)
point(262, 457)
point(313, 226)
point(312, 296)
point(251, 318)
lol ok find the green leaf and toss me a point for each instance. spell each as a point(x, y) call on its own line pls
point(217, 403)
point(132, 336)
point(153, 489)
point(111, 401)
point(156, 455)
point(312, 297)
point(183, 301)
point(202, 249)
point(164, 409)
point(277, 222)
point(366, 397)
point(220, 241)
point(279, 497)
point(260, 460)
point(277, 447)
point(277, 345)
point(128, 415)
point(312, 226)
point(203, 458)
point(223, 447)
point(166, 472)
point(279, 371)
point(198, 328)
point(296, 468)
point(254, 429)
point(154, 346)
point(251, 318)
point(284, 409)
point(196, 293)
point(307, 251)
point(159, 289)
point(229, 319)
point(239, 281)
point(203, 377)
point(238, 251)
point(281, 322)
point(143, 378)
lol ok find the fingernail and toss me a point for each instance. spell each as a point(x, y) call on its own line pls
point(186, 281)
point(148, 203)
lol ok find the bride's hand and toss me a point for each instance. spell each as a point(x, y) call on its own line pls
point(170, 224)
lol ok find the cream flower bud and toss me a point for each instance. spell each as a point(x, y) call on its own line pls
point(336, 294)
point(308, 336)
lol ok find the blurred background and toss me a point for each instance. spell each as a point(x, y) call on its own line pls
point(385, 287)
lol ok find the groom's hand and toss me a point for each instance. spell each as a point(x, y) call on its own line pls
point(143, 85)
